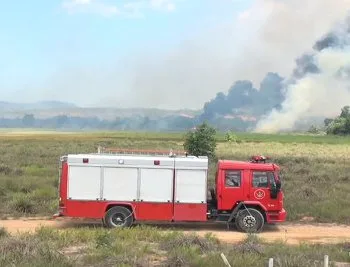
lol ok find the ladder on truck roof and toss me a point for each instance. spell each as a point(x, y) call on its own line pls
point(124, 151)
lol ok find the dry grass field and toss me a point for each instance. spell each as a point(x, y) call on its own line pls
point(315, 172)
point(148, 246)
point(315, 175)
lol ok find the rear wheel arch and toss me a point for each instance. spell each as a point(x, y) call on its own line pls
point(128, 206)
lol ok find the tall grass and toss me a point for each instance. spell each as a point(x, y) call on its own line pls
point(146, 246)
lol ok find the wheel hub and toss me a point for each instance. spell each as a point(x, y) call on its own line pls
point(118, 219)
point(249, 221)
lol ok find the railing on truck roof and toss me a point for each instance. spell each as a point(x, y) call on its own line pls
point(124, 151)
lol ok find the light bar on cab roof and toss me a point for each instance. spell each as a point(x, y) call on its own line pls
point(259, 158)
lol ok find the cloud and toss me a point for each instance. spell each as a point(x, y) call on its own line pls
point(90, 6)
point(122, 8)
point(163, 4)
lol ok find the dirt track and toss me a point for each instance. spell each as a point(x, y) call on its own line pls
point(291, 233)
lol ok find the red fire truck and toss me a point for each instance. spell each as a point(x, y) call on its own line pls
point(123, 187)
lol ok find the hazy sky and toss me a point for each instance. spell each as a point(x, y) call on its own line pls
point(150, 53)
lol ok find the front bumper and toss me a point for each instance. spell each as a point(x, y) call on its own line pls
point(276, 216)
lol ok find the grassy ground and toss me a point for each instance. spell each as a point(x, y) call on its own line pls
point(315, 175)
point(315, 179)
point(146, 246)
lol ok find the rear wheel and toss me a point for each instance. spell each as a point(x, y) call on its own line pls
point(249, 220)
point(118, 217)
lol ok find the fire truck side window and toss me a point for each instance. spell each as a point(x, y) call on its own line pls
point(261, 179)
point(233, 178)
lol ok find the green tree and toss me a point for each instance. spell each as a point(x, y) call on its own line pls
point(201, 141)
point(327, 121)
point(341, 124)
point(28, 120)
point(345, 112)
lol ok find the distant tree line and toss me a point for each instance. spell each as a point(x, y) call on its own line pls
point(339, 125)
point(168, 123)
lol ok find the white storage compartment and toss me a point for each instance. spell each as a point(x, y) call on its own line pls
point(120, 183)
point(191, 180)
point(156, 185)
point(140, 178)
point(84, 182)
point(191, 186)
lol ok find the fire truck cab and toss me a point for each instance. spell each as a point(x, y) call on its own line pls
point(247, 194)
point(123, 187)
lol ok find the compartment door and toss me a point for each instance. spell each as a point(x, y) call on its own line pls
point(190, 195)
point(120, 184)
point(156, 194)
point(84, 183)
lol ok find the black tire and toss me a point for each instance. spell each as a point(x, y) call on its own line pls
point(118, 217)
point(249, 220)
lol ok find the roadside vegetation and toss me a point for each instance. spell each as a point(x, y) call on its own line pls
point(147, 246)
point(315, 175)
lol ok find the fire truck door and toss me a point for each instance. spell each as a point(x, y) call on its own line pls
point(232, 188)
point(260, 184)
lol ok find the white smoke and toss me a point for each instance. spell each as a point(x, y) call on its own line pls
point(266, 37)
point(320, 94)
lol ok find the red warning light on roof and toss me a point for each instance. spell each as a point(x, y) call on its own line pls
point(85, 160)
point(156, 162)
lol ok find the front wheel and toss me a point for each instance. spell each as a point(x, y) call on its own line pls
point(118, 217)
point(249, 220)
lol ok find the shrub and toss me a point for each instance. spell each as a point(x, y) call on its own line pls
point(5, 170)
point(181, 240)
point(22, 203)
point(3, 232)
point(231, 137)
point(29, 251)
point(202, 141)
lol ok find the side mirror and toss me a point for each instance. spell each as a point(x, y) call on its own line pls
point(278, 185)
point(274, 190)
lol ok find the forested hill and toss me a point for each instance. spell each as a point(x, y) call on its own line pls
point(70, 117)
point(239, 110)
point(60, 115)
